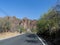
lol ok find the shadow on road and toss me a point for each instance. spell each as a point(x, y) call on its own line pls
point(31, 41)
point(31, 38)
point(31, 35)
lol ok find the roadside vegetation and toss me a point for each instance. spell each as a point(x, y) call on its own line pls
point(48, 25)
point(6, 25)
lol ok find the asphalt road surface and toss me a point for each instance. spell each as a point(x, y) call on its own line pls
point(25, 39)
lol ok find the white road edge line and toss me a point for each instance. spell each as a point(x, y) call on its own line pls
point(41, 40)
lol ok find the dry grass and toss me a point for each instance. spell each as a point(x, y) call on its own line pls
point(8, 34)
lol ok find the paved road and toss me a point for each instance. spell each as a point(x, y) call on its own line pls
point(25, 39)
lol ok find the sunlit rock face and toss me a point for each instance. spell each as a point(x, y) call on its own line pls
point(28, 24)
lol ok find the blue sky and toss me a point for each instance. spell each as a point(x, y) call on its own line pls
point(31, 9)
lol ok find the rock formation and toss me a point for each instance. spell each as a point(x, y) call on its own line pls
point(16, 23)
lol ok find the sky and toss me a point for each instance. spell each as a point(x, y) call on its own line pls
point(32, 9)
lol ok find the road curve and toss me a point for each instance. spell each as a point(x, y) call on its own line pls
point(25, 39)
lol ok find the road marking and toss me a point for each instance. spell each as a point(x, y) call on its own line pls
point(41, 40)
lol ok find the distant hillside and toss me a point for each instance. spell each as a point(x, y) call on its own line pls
point(14, 24)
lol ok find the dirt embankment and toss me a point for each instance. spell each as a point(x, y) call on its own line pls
point(8, 34)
